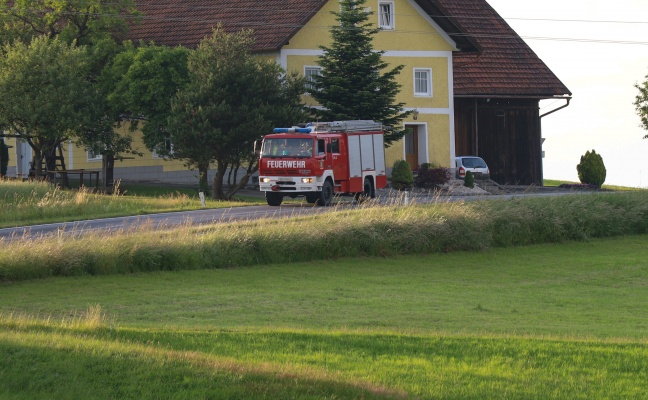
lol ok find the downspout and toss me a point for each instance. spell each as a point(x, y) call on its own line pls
point(540, 130)
point(476, 129)
point(559, 108)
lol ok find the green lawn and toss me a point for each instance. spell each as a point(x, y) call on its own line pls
point(555, 182)
point(29, 203)
point(536, 322)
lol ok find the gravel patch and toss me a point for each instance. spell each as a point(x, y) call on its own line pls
point(453, 188)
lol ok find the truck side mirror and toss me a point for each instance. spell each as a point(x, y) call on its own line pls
point(257, 147)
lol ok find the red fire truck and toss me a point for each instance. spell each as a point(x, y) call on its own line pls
point(321, 160)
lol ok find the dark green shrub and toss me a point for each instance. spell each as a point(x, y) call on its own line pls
point(4, 158)
point(429, 176)
point(402, 176)
point(591, 169)
point(469, 180)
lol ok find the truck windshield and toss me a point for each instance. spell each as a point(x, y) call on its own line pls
point(295, 147)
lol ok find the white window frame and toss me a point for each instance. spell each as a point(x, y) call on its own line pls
point(416, 82)
point(386, 20)
point(307, 75)
point(91, 156)
point(167, 143)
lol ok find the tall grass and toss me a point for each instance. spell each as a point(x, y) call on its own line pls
point(370, 230)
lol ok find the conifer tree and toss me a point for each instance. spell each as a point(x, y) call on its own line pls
point(355, 82)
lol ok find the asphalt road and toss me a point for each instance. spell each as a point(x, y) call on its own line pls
point(214, 216)
point(157, 221)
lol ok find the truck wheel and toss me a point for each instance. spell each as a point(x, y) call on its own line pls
point(311, 198)
point(368, 191)
point(326, 195)
point(274, 199)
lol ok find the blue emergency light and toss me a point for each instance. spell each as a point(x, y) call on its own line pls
point(292, 130)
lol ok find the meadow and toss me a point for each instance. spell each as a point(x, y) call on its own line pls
point(550, 321)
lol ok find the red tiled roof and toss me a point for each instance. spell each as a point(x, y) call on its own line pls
point(187, 22)
point(498, 61)
point(506, 65)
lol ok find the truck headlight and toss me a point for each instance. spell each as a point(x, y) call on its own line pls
point(265, 180)
point(307, 180)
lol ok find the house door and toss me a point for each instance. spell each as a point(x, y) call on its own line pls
point(411, 146)
point(23, 158)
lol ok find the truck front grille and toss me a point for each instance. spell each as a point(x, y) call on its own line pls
point(281, 172)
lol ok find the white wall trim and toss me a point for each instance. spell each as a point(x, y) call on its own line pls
point(285, 53)
point(423, 136)
point(422, 111)
point(420, 54)
point(451, 110)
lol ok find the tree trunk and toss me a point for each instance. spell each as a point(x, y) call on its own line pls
point(203, 183)
point(251, 169)
point(107, 170)
point(37, 163)
point(4, 158)
point(217, 184)
point(64, 179)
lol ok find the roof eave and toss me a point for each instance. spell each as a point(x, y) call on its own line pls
point(515, 96)
point(279, 45)
point(453, 28)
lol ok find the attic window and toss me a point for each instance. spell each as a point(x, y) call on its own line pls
point(386, 15)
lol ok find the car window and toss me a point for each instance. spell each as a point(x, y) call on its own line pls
point(474, 163)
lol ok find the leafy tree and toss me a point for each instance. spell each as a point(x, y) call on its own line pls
point(140, 82)
point(641, 104)
point(99, 26)
point(231, 99)
point(352, 84)
point(82, 21)
point(46, 94)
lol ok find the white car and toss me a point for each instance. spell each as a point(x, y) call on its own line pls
point(474, 164)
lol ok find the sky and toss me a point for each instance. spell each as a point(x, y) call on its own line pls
point(600, 71)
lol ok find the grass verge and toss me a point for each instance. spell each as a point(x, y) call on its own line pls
point(29, 203)
point(555, 182)
point(366, 231)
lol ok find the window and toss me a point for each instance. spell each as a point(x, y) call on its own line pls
point(423, 82)
point(309, 74)
point(335, 146)
point(167, 146)
point(93, 156)
point(321, 147)
point(386, 15)
point(291, 147)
